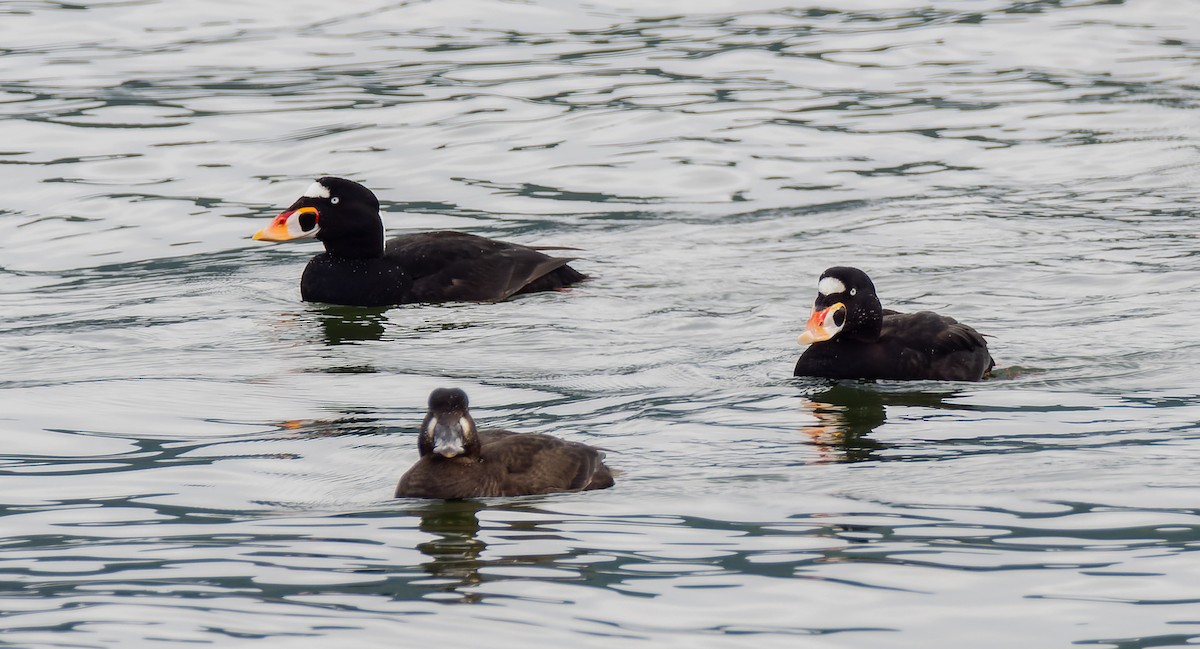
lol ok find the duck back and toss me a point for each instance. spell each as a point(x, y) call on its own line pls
point(455, 266)
point(508, 464)
point(911, 346)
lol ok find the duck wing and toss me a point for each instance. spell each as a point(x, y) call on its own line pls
point(455, 266)
point(934, 346)
point(535, 463)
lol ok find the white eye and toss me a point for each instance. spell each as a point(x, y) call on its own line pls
point(334, 200)
point(853, 291)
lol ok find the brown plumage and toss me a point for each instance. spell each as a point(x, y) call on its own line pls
point(459, 461)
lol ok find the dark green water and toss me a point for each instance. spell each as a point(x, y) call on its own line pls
point(192, 455)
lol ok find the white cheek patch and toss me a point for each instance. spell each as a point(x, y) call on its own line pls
point(316, 190)
point(466, 426)
point(830, 286)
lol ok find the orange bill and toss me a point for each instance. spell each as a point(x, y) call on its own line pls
point(286, 226)
point(824, 324)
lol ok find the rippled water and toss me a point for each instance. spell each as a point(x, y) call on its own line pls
point(192, 454)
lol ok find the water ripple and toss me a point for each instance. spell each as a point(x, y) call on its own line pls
point(194, 455)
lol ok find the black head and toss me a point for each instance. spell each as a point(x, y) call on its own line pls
point(448, 429)
point(343, 214)
point(846, 308)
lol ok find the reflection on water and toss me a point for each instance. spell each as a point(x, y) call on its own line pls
point(345, 325)
point(455, 553)
point(1027, 167)
point(846, 414)
point(350, 422)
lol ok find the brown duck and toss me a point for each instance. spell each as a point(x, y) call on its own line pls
point(460, 461)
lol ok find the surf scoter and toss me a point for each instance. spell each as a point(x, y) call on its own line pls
point(851, 336)
point(359, 269)
point(460, 461)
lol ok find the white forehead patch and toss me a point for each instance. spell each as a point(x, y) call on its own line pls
point(316, 190)
point(830, 285)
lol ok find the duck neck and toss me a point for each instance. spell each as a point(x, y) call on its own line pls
point(365, 245)
point(866, 324)
point(472, 448)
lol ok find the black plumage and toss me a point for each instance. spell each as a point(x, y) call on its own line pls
point(359, 269)
point(853, 337)
point(459, 461)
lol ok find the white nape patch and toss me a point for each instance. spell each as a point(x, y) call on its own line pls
point(830, 286)
point(316, 190)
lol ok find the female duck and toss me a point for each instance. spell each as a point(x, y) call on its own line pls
point(851, 336)
point(460, 461)
point(359, 269)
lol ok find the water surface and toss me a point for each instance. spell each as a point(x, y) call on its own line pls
point(193, 455)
